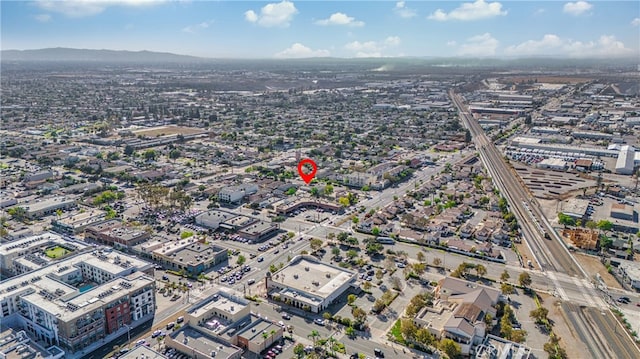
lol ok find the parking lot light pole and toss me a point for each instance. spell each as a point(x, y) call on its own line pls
point(128, 336)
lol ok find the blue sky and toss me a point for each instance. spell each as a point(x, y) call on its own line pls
point(289, 29)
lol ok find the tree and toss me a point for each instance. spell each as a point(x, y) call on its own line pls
point(375, 231)
point(424, 337)
point(566, 220)
point(315, 192)
point(420, 256)
point(506, 288)
point(481, 270)
point(128, 150)
point(553, 348)
point(335, 251)
point(344, 201)
point(451, 348)
point(328, 189)
point(351, 253)
point(314, 335)
point(174, 154)
point(359, 314)
point(524, 279)
point(150, 155)
point(374, 248)
point(396, 283)
point(351, 298)
point(539, 314)
point(408, 329)
point(18, 213)
point(350, 332)
point(505, 276)
point(366, 285)
point(298, 350)
point(342, 236)
point(419, 268)
point(437, 262)
point(241, 260)
point(326, 316)
point(315, 244)
point(605, 225)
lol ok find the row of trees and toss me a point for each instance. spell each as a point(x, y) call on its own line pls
point(156, 196)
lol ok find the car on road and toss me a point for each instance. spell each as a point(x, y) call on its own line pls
point(251, 281)
point(141, 342)
point(276, 251)
point(379, 353)
point(286, 316)
point(260, 259)
point(170, 325)
point(180, 320)
point(165, 277)
point(157, 333)
point(319, 321)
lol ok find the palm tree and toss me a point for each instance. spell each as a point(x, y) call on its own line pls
point(314, 335)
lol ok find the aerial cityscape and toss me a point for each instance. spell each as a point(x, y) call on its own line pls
point(317, 180)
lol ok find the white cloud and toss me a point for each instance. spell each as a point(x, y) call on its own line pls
point(251, 16)
point(551, 44)
point(605, 46)
point(340, 19)
point(452, 43)
point(273, 15)
point(43, 17)
point(635, 22)
point(548, 42)
point(403, 11)
point(372, 48)
point(192, 29)
point(576, 8)
point(83, 8)
point(480, 45)
point(298, 50)
point(470, 11)
point(539, 11)
point(392, 41)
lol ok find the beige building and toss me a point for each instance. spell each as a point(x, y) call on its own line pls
point(308, 283)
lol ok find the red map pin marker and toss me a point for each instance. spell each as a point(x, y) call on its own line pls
point(307, 177)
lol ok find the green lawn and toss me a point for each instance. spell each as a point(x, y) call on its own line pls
point(56, 252)
point(396, 333)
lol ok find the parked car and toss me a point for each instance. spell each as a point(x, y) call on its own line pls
point(319, 321)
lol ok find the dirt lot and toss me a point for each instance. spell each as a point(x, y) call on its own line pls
point(168, 130)
point(569, 340)
point(592, 266)
point(551, 79)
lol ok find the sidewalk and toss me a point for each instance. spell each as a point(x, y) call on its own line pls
point(86, 352)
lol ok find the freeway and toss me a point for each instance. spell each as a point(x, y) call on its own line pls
point(552, 255)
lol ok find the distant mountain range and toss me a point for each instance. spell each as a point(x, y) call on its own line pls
point(60, 54)
point(87, 55)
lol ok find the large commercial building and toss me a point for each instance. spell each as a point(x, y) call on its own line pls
point(43, 207)
point(34, 252)
point(626, 160)
point(308, 283)
point(190, 255)
point(222, 326)
point(81, 300)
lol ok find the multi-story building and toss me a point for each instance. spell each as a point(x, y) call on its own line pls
point(33, 252)
point(81, 300)
point(114, 233)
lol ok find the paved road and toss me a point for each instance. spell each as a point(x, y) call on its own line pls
point(553, 257)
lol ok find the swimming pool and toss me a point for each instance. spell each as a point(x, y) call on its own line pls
point(85, 287)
